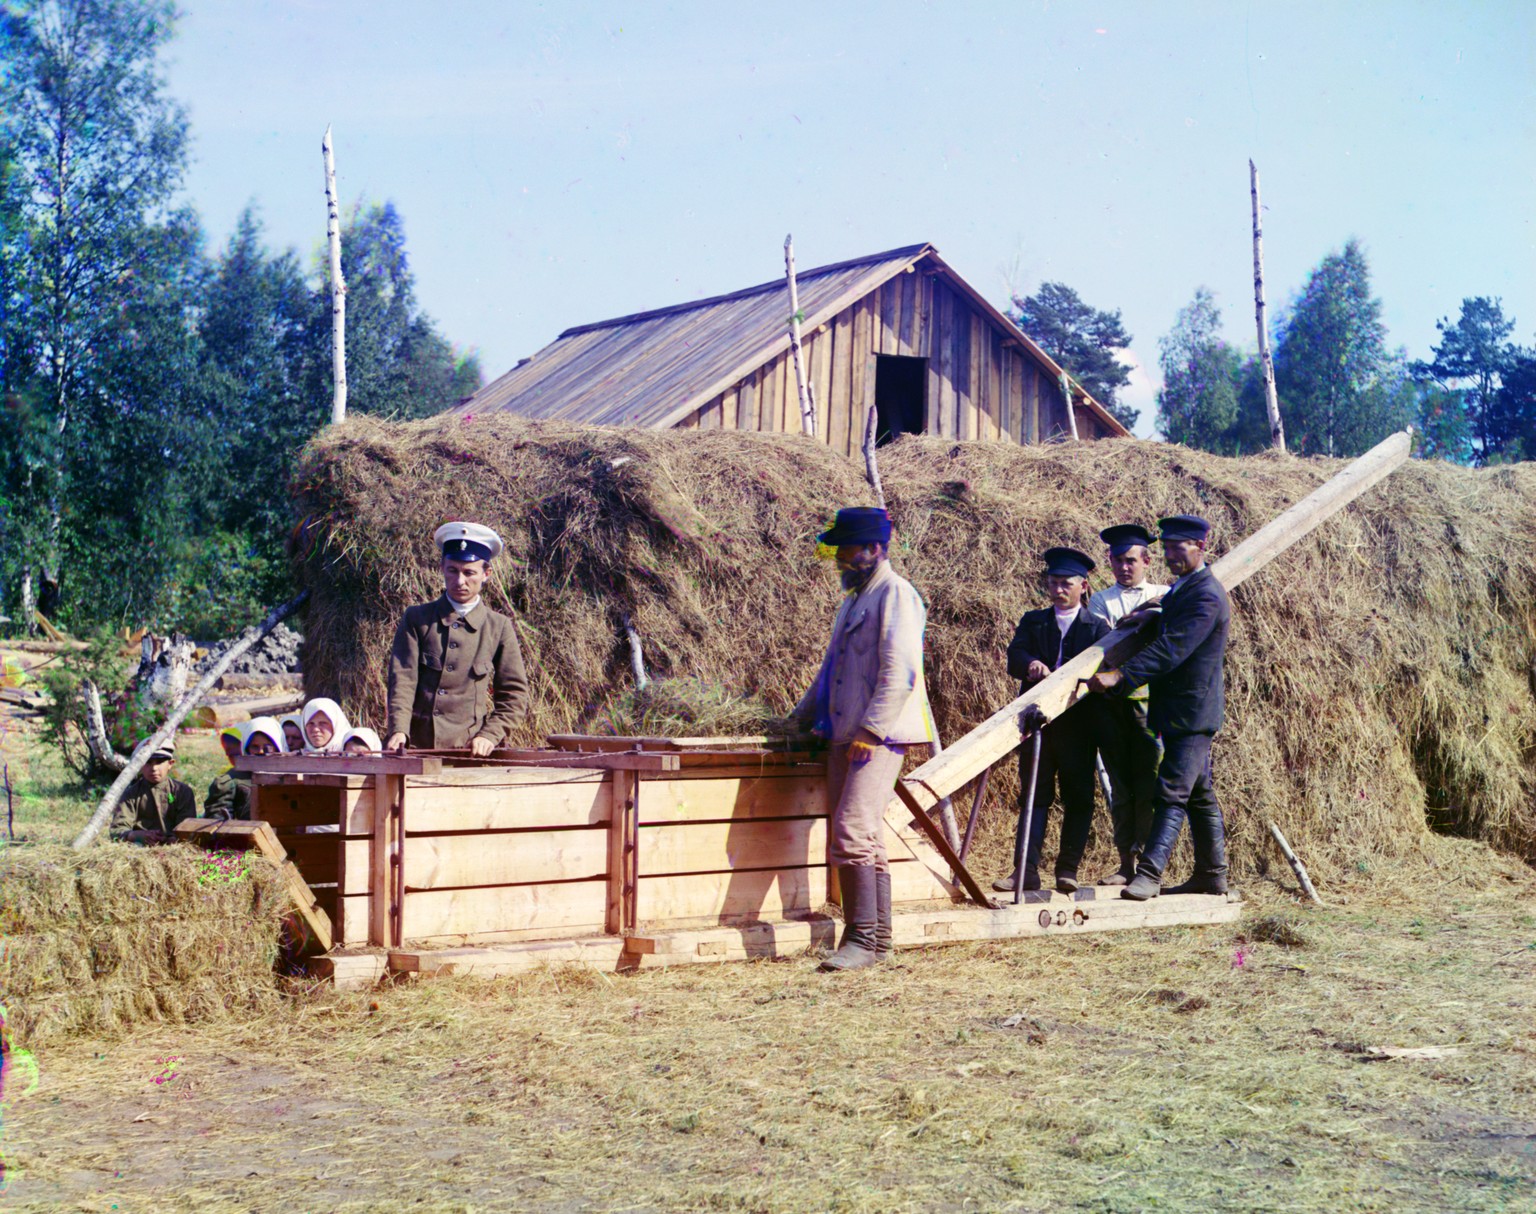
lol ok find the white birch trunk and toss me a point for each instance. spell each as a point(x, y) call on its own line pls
point(871, 464)
point(1266, 361)
point(807, 402)
point(103, 815)
point(28, 603)
point(1066, 395)
point(338, 287)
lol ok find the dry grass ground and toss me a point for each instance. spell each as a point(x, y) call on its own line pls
point(1197, 1069)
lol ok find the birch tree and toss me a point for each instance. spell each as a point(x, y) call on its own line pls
point(99, 150)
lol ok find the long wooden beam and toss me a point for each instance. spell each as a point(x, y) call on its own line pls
point(999, 734)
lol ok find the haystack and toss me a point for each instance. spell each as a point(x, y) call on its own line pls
point(116, 937)
point(1380, 674)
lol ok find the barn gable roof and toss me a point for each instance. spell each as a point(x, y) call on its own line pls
point(654, 368)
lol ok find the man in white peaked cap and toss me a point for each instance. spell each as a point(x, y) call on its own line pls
point(456, 676)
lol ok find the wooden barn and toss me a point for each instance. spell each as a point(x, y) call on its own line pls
point(899, 330)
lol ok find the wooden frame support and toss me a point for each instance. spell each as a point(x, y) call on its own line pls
point(386, 907)
point(623, 853)
point(259, 836)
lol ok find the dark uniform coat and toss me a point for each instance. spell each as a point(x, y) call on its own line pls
point(1069, 743)
point(1183, 666)
point(147, 806)
point(229, 796)
point(455, 678)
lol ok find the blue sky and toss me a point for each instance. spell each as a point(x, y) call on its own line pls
point(561, 163)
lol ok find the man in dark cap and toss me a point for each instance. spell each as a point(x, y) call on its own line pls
point(1183, 668)
point(456, 670)
point(1044, 640)
point(870, 701)
point(1129, 748)
point(155, 802)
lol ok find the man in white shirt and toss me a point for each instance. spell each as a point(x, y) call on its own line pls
point(1130, 750)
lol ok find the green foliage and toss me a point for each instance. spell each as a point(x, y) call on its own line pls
point(1080, 338)
point(398, 365)
point(1513, 413)
point(1341, 391)
point(1471, 359)
point(154, 398)
point(1443, 428)
point(96, 151)
point(1198, 404)
point(102, 663)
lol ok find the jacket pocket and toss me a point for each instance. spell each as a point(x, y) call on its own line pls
point(480, 670)
point(861, 630)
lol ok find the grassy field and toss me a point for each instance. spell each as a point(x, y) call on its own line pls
point(1194, 1069)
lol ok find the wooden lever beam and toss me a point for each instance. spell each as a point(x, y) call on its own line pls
point(1000, 733)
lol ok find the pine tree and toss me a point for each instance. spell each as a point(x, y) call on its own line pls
point(1082, 339)
point(1340, 388)
point(1471, 359)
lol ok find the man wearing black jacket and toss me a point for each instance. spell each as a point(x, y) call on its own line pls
point(1043, 641)
point(1183, 668)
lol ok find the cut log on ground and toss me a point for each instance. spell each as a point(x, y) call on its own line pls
point(232, 712)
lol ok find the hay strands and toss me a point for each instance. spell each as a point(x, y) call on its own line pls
point(259, 837)
point(1002, 732)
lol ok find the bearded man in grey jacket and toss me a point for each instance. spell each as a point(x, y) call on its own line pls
point(870, 702)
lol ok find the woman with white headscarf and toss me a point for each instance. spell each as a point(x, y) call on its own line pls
point(324, 726)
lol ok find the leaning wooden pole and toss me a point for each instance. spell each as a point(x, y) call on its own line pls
point(1000, 733)
point(807, 401)
point(191, 700)
point(1066, 396)
point(338, 287)
point(1266, 360)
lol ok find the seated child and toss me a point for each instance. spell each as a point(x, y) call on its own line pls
point(264, 736)
point(293, 732)
point(361, 741)
point(324, 725)
point(155, 802)
point(229, 796)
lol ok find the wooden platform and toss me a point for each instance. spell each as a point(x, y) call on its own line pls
point(620, 853)
point(1049, 914)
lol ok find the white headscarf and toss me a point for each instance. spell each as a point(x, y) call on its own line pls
point(268, 727)
point(364, 735)
point(337, 718)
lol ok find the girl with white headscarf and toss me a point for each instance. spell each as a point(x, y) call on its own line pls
point(324, 726)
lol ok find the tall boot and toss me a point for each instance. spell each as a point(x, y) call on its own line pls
point(1126, 871)
point(882, 915)
point(857, 950)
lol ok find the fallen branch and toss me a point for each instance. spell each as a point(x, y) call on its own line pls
point(636, 655)
point(1297, 866)
point(96, 730)
point(191, 700)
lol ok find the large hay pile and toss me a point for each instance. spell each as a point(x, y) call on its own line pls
point(1380, 672)
point(104, 940)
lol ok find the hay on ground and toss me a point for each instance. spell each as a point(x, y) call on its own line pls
point(103, 940)
point(1379, 677)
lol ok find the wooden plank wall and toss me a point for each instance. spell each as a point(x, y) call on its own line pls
point(981, 386)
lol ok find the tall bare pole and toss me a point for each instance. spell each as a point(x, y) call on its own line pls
point(1266, 361)
point(338, 287)
point(807, 404)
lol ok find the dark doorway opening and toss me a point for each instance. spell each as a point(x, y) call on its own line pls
point(900, 388)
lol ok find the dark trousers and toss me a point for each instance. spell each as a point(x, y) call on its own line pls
point(1184, 789)
point(1131, 753)
point(1066, 775)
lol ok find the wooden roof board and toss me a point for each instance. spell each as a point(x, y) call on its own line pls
point(654, 368)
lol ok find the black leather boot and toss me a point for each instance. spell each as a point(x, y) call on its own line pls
point(857, 950)
point(1066, 881)
point(1200, 883)
point(882, 915)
